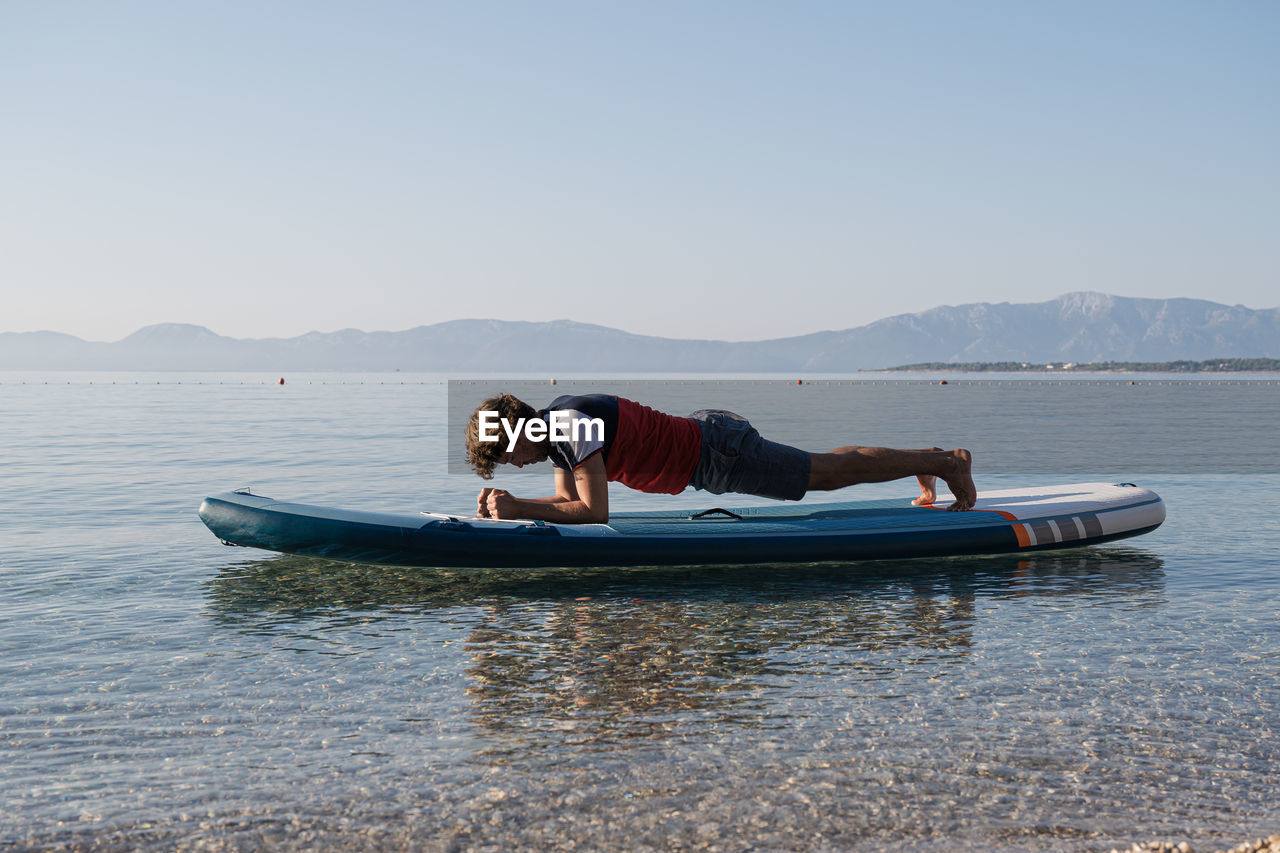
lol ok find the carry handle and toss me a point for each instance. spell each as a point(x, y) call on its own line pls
point(713, 511)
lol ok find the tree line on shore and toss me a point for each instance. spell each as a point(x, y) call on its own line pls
point(1213, 365)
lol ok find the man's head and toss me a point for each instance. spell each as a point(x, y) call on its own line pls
point(483, 455)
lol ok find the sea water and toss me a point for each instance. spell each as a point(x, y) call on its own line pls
point(159, 689)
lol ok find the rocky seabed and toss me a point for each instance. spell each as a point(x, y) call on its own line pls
point(1260, 845)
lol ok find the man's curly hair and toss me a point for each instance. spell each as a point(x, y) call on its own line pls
point(483, 455)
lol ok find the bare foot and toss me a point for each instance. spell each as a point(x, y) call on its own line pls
point(960, 481)
point(928, 485)
point(928, 490)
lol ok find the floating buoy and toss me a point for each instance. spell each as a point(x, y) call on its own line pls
point(799, 381)
point(281, 382)
point(943, 382)
point(553, 382)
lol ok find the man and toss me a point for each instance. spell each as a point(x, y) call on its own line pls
point(597, 438)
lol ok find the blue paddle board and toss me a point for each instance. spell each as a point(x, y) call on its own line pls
point(1007, 521)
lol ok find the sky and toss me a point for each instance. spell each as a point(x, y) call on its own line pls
point(731, 170)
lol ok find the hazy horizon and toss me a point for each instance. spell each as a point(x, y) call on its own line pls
point(486, 319)
point(561, 319)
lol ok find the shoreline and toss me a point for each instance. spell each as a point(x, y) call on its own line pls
point(1270, 844)
point(290, 832)
point(1179, 366)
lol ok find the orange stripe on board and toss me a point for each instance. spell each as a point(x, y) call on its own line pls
point(1007, 516)
point(1020, 530)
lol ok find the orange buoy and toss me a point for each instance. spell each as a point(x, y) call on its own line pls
point(281, 382)
point(799, 381)
point(943, 382)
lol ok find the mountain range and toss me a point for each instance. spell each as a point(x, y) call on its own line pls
point(1078, 327)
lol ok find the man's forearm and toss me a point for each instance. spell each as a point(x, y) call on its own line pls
point(559, 509)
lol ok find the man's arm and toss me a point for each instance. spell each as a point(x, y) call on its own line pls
point(582, 497)
point(565, 491)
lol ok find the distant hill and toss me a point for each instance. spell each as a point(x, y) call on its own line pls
point(1076, 327)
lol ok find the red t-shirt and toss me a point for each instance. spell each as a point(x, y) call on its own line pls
point(643, 449)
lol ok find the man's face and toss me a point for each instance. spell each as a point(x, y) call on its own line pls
point(525, 453)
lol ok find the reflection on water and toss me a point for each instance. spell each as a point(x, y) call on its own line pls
point(269, 593)
point(586, 659)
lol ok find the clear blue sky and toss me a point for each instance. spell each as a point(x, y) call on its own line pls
point(733, 170)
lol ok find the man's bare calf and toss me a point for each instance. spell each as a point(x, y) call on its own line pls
point(848, 466)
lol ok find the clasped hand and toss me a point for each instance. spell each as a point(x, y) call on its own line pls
point(495, 503)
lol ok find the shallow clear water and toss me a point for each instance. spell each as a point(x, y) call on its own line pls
point(158, 689)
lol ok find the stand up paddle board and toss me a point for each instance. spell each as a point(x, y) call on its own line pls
point(1007, 521)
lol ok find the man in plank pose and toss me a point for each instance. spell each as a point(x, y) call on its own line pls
point(593, 439)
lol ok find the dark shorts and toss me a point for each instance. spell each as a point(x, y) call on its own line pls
point(735, 458)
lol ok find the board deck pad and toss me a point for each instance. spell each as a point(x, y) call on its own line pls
point(1002, 521)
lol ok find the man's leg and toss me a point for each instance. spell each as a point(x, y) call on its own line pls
point(928, 483)
point(848, 466)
